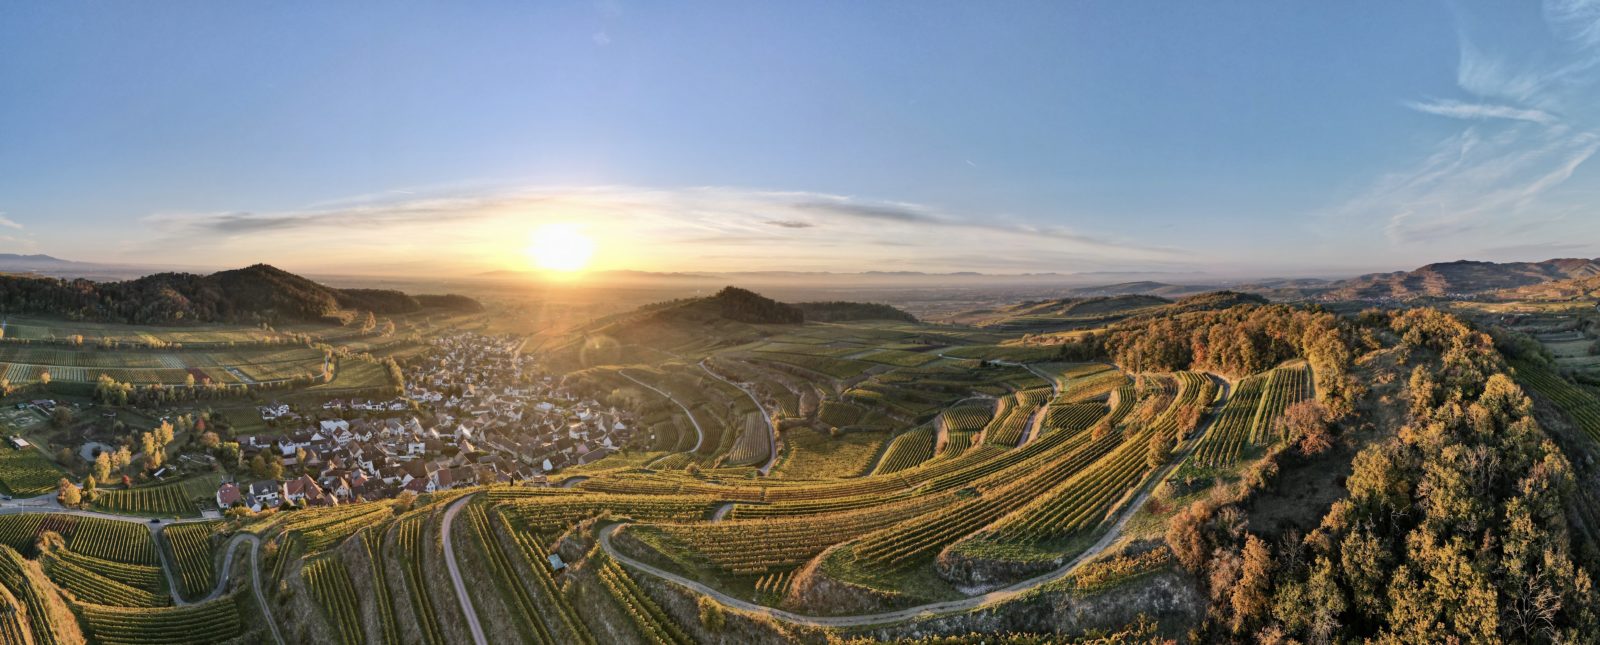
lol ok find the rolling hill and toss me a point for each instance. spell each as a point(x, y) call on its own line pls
point(258, 293)
point(1462, 277)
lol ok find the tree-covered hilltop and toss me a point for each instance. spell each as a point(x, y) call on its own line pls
point(258, 293)
point(731, 303)
point(841, 311)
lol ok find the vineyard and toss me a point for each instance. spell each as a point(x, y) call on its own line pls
point(966, 418)
point(190, 546)
point(175, 499)
point(408, 546)
point(212, 622)
point(1579, 404)
point(650, 622)
point(28, 363)
point(906, 451)
point(752, 446)
point(1248, 419)
point(26, 472)
point(88, 586)
point(330, 584)
point(123, 542)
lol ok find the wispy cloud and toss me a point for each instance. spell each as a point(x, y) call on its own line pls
point(1529, 126)
point(8, 222)
point(1460, 110)
point(657, 229)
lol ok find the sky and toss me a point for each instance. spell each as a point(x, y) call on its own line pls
point(1239, 138)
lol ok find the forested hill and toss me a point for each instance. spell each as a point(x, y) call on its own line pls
point(732, 303)
point(258, 293)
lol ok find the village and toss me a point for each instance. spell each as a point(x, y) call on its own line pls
point(475, 411)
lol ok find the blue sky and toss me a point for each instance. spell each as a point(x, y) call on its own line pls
point(1222, 138)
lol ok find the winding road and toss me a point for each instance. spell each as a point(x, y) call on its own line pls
point(699, 435)
point(1111, 536)
point(48, 503)
point(772, 432)
point(455, 572)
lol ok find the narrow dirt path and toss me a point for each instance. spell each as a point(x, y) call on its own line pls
point(255, 581)
point(1109, 538)
point(455, 572)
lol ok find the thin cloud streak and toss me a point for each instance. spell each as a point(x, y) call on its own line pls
point(659, 229)
point(1474, 111)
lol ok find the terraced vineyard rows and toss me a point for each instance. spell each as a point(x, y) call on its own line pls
point(763, 546)
point(1250, 414)
point(1581, 405)
point(213, 622)
point(906, 451)
point(191, 556)
point(27, 472)
point(956, 443)
point(1007, 429)
point(531, 556)
point(138, 576)
point(1074, 415)
point(372, 544)
point(926, 535)
point(507, 581)
point(1286, 386)
point(92, 587)
point(966, 418)
point(408, 537)
point(1083, 501)
point(753, 443)
point(330, 584)
point(650, 622)
point(14, 576)
point(123, 542)
point(178, 498)
point(559, 510)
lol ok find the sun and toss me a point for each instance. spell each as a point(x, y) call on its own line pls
point(560, 248)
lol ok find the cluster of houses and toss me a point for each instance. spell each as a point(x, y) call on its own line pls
point(487, 414)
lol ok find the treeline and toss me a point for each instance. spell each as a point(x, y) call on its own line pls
point(840, 311)
point(254, 294)
point(1242, 340)
point(1454, 529)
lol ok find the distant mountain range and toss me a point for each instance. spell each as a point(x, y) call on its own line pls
point(259, 293)
point(1446, 279)
point(1462, 277)
point(1561, 277)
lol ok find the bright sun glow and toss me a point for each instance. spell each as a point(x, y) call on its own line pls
point(562, 248)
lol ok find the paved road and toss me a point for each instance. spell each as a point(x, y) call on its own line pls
point(455, 572)
point(772, 432)
point(722, 511)
point(699, 435)
point(1110, 537)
